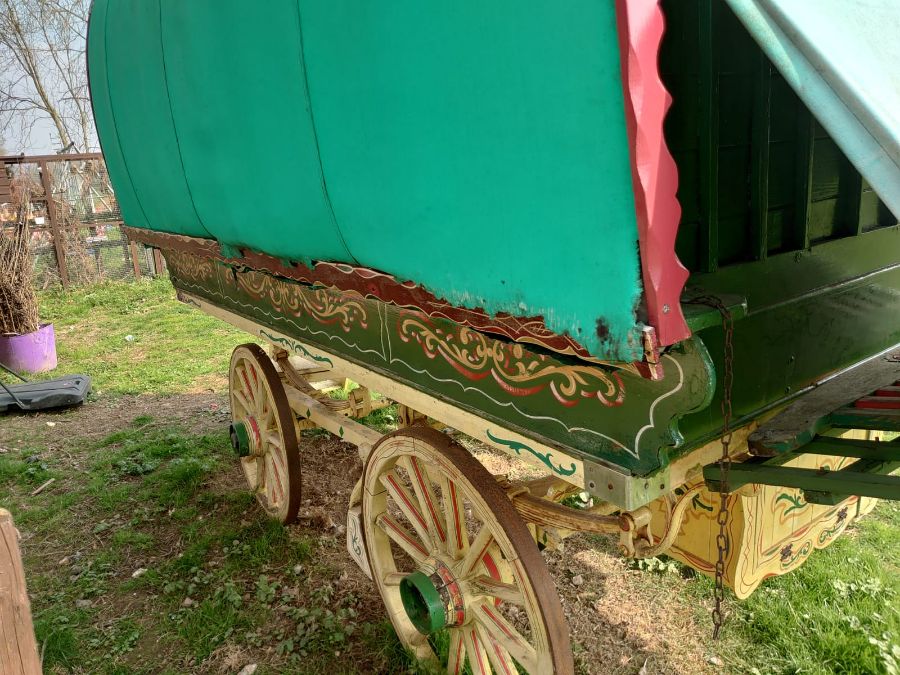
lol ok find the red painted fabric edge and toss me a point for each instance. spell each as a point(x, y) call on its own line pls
point(654, 174)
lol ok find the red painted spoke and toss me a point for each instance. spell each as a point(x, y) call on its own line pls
point(276, 489)
point(406, 503)
point(402, 537)
point(475, 651)
point(503, 632)
point(485, 585)
point(457, 537)
point(497, 654)
point(243, 402)
point(477, 549)
point(425, 493)
point(456, 657)
point(245, 383)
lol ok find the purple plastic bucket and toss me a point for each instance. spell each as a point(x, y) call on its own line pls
point(30, 353)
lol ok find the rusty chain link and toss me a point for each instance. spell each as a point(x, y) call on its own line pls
point(723, 514)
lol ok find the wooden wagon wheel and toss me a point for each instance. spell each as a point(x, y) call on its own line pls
point(460, 574)
point(263, 433)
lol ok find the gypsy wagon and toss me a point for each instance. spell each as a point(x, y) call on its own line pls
point(493, 218)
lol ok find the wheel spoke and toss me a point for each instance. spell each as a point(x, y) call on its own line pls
point(511, 639)
point(260, 474)
point(485, 585)
point(500, 659)
point(257, 383)
point(475, 650)
point(273, 438)
point(402, 537)
point(278, 474)
point(427, 501)
point(244, 403)
point(244, 380)
point(457, 537)
point(393, 578)
point(456, 657)
point(406, 503)
point(476, 551)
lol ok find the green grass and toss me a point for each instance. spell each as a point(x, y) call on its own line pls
point(135, 338)
point(839, 612)
point(236, 565)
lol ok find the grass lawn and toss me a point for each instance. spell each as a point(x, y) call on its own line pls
point(147, 554)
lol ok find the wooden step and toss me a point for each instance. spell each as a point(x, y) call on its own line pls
point(833, 404)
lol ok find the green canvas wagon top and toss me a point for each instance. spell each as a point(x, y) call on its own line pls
point(559, 170)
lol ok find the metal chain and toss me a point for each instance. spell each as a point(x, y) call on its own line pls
point(723, 514)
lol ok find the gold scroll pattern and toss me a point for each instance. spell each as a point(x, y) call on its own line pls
point(516, 370)
point(324, 306)
point(190, 267)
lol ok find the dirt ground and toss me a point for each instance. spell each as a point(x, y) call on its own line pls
point(622, 620)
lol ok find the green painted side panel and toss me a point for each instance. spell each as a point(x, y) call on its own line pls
point(236, 79)
point(478, 149)
point(112, 150)
point(596, 412)
point(487, 145)
point(141, 118)
point(842, 306)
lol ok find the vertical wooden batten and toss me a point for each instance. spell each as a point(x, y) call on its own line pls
point(55, 229)
point(759, 170)
point(806, 143)
point(708, 257)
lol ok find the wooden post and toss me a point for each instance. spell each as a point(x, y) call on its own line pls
point(157, 262)
point(135, 264)
point(54, 226)
point(18, 647)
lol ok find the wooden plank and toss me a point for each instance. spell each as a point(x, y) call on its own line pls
point(803, 420)
point(135, 263)
point(157, 262)
point(844, 482)
point(55, 228)
point(868, 466)
point(18, 647)
point(878, 403)
point(845, 447)
point(708, 255)
point(861, 418)
point(759, 169)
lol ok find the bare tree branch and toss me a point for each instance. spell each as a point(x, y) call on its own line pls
point(44, 74)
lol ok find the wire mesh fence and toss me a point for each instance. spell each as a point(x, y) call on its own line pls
point(68, 206)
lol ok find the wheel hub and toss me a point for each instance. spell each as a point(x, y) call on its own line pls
point(433, 602)
point(245, 437)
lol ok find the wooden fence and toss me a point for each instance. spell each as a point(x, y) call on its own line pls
point(68, 205)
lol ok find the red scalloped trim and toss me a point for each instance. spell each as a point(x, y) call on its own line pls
point(654, 174)
point(370, 283)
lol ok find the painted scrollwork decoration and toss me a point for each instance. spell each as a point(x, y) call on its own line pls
point(516, 370)
point(323, 305)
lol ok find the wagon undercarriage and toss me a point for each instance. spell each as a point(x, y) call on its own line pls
point(420, 508)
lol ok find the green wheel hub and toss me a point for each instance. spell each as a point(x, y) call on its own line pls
point(422, 603)
point(240, 439)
